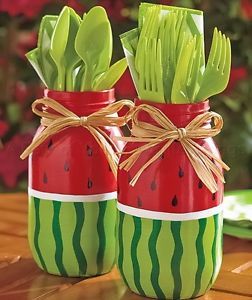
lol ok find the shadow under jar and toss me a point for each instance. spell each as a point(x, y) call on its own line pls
point(170, 224)
point(72, 195)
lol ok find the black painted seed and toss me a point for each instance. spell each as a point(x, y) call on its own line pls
point(153, 185)
point(175, 201)
point(89, 151)
point(181, 173)
point(214, 197)
point(139, 202)
point(45, 179)
point(162, 156)
point(66, 166)
point(50, 144)
point(200, 185)
point(90, 183)
point(110, 170)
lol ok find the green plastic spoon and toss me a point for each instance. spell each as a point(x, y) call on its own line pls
point(79, 74)
point(91, 41)
point(48, 66)
point(71, 58)
point(106, 54)
point(58, 45)
point(111, 76)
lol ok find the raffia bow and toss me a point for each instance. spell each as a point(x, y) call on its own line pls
point(64, 118)
point(201, 159)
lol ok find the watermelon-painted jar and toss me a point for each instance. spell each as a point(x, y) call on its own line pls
point(170, 224)
point(72, 195)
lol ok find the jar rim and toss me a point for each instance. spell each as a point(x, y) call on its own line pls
point(82, 98)
point(177, 109)
point(82, 103)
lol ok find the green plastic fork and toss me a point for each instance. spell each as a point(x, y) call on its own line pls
point(149, 30)
point(171, 31)
point(179, 88)
point(193, 74)
point(150, 75)
point(217, 72)
point(168, 38)
point(187, 77)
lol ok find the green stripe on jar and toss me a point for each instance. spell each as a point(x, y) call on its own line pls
point(145, 261)
point(109, 224)
point(73, 239)
point(217, 251)
point(67, 223)
point(79, 253)
point(100, 248)
point(168, 259)
point(157, 225)
point(56, 228)
point(71, 223)
point(101, 236)
point(176, 258)
point(89, 237)
point(134, 256)
point(46, 237)
point(120, 249)
point(208, 239)
point(34, 223)
point(165, 249)
point(127, 236)
point(189, 259)
point(200, 256)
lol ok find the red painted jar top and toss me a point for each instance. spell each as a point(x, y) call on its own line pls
point(71, 162)
point(170, 184)
point(179, 114)
point(82, 103)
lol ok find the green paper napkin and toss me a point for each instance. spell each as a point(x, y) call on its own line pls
point(237, 214)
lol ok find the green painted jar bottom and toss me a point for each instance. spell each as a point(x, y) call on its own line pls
point(169, 259)
point(74, 239)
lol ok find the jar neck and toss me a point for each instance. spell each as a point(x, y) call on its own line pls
point(180, 114)
point(82, 103)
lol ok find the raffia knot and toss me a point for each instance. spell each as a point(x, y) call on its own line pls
point(182, 133)
point(58, 118)
point(207, 166)
point(83, 121)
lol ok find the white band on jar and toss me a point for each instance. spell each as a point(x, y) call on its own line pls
point(72, 198)
point(156, 215)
